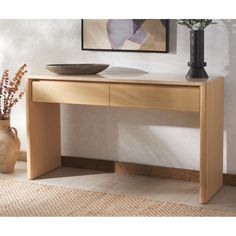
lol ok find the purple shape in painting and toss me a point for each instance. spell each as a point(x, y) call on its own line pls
point(137, 23)
point(139, 36)
point(118, 32)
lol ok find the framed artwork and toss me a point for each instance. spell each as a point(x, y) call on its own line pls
point(128, 35)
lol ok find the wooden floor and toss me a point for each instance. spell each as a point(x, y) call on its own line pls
point(145, 187)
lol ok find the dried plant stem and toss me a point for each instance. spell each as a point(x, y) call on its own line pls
point(8, 92)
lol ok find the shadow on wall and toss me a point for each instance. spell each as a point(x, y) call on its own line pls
point(133, 135)
point(172, 36)
point(230, 97)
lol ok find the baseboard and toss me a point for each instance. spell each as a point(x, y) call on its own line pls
point(229, 179)
point(86, 163)
point(156, 171)
point(22, 156)
point(135, 169)
point(140, 169)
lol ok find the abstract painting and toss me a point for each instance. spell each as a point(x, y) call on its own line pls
point(138, 35)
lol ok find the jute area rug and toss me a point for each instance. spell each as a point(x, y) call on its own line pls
point(30, 199)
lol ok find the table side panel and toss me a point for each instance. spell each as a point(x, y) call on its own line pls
point(43, 135)
point(211, 132)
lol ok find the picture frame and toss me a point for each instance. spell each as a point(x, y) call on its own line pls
point(125, 35)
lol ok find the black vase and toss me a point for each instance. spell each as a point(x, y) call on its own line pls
point(196, 63)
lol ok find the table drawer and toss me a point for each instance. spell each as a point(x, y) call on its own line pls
point(182, 98)
point(70, 92)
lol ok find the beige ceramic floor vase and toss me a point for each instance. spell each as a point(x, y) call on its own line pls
point(9, 147)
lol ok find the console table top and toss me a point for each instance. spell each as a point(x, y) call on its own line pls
point(136, 78)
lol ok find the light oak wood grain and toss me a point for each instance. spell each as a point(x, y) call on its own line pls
point(130, 78)
point(71, 92)
point(204, 96)
point(211, 139)
point(178, 98)
point(43, 135)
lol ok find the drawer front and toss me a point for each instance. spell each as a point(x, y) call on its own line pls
point(70, 92)
point(180, 98)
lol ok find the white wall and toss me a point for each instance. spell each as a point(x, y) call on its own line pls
point(134, 135)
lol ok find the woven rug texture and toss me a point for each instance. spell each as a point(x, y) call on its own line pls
point(31, 199)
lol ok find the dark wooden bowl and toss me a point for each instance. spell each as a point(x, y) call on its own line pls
point(76, 69)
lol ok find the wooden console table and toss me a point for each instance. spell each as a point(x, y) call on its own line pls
point(46, 93)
